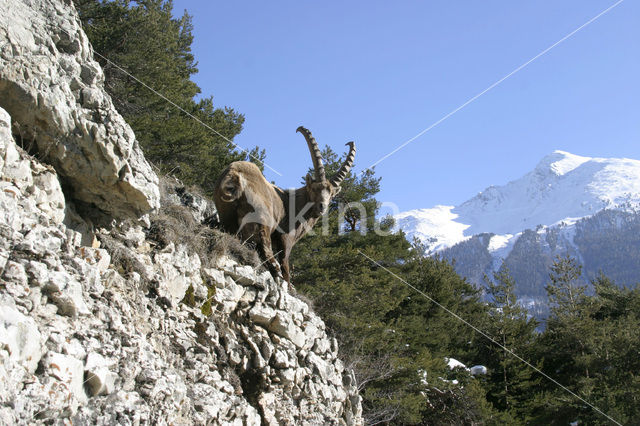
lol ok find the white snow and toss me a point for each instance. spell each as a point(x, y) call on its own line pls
point(423, 376)
point(563, 187)
point(565, 162)
point(454, 363)
point(436, 223)
point(499, 241)
point(618, 182)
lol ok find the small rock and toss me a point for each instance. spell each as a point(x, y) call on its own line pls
point(19, 335)
point(68, 370)
point(215, 276)
point(96, 256)
point(262, 314)
point(285, 327)
point(99, 379)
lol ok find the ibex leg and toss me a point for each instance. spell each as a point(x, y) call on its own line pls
point(261, 237)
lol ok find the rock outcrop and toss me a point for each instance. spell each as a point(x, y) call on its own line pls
point(53, 90)
point(106, 326)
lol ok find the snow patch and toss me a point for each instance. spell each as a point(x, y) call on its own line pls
point(454, 363)
point(477, 370)
point(564, 162)
point(435, 227)
point(499, 241)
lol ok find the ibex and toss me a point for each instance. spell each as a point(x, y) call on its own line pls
point(274, 218)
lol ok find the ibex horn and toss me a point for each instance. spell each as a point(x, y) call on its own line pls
point(316, 157)
point(346, 166)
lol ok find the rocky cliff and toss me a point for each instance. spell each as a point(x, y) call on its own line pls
point(110, 313)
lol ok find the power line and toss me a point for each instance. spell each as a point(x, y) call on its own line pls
point(590, 21)
point(183, 110)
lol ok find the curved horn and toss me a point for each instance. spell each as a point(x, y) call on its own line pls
point(346, 166)
point(316, 157)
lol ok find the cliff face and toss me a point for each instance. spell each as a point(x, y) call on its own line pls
point(94, 327)
point(53, 90)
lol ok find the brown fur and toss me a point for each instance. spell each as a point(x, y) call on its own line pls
point(272, 218)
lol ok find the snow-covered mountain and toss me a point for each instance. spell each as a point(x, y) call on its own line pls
point(588, 208)
point(561, 189)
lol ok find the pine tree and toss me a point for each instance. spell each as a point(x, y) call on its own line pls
point(616, 345)
point(510, 382)
point(565, 292)
point(570, 320)
point(591, 345)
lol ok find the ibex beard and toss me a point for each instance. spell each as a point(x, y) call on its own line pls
point(272, 218)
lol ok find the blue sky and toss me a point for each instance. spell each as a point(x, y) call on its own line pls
point(380, 72)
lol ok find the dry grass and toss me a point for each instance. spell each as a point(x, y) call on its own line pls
point(122, 257)
point(175, 223)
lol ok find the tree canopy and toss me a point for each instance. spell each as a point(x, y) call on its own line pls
point(395, 339)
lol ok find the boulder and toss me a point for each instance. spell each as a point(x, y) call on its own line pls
point(54, 91)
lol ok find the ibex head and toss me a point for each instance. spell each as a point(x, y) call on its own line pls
point(321, 190)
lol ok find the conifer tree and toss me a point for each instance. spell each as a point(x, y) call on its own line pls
point(510, 382)
point(564, 291)
point(569, 347)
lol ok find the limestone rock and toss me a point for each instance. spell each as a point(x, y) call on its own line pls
point(284, 326)
point(68, 370)
point(26, 185)
point(19, 337)
point(53, 90)
point(177, 270)
point(202, 209)
point(99, 379)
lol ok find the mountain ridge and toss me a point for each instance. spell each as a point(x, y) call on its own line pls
point(563, 187)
